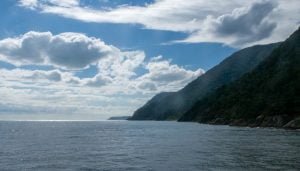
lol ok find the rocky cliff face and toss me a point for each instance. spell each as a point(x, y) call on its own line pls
point(171, 106)
point(269, 96)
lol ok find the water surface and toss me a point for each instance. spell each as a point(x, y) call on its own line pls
point(123, 145)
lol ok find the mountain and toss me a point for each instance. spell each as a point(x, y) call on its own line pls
point(267, 96)
point(171, 105)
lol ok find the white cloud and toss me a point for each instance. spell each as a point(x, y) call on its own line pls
point(122, 67)
point(33, 93)
point(204, 21)
point(36, 76)
point(98, 81)
point(64, 3)
point(242, 26)
point(29, 3)
point(163, 71)
point(162, 75)
point(51, 76)
point(175, 15)
point(117, 87)
point(66, 50)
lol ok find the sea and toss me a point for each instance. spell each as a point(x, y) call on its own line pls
point(144, 145)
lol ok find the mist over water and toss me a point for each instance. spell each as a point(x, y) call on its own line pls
point(122, 145)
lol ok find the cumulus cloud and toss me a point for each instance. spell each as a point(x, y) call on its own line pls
point(163, 71)
point(77, 51)
point(114, 87)
point(240, 27)
point(161, 75)
point(66, 50)
point(98, 81)
point(56, 92)
point(51, 76)
point(122, 67)
point(232, 22)
point(36, 76)
point(247, 22)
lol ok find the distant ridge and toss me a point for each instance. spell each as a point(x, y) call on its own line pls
point(119, 118)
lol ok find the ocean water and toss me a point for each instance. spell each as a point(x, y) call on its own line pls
point(124, 145)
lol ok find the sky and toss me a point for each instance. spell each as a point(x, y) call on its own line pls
point(93, 59)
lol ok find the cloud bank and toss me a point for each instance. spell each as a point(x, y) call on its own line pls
point(235, 23)
point(117, 86)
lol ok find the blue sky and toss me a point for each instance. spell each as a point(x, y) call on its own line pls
point(17, 20)
point(91, 59)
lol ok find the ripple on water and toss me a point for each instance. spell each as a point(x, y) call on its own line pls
point(145, 146)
